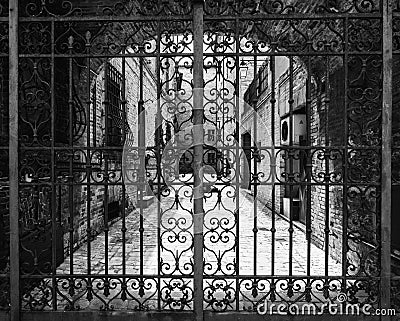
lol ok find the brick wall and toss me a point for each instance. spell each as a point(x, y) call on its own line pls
point(97, 138)
point(327, 130)
point(322, 133)
point(264, 138)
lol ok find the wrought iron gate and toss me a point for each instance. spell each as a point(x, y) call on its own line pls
point(188, 158)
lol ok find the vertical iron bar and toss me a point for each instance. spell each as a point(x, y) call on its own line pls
point(255, 158)
point(159, 164)
point(291, 155)
point(94, 109)
point(71, 160)
point(386, 192)
point(91, 100)
point(222, 119)
point(326, 158)
point(105, 154)
point(345, 157)
point(273, 172)
point(308, 166)
point(237, 157)
point(273, 165)
point(198, 141)
point(124, 135)
point(13, 161)
point(54, 218)
point(142, 170)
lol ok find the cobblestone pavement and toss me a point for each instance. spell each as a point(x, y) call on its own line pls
point(214, 218)
point(176, 232)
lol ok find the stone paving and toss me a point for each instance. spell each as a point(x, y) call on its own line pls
point(176, 253)
point(246, 242)
point(176, 232)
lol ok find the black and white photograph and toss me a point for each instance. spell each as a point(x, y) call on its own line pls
point(199, 160)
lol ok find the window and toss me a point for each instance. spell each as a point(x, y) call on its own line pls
point(115, 114)
point(263, 79)
point(62, 106)
point(250, 96)
point(179, 78)
point(257, 152)
point(211, 134)
point(93, 99)
point(211, 160)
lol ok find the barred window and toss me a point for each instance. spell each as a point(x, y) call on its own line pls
point(115, 114)
point(251, 93)
point(211, 134)
point(263, 79)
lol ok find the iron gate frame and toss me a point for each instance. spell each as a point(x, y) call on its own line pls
point(15, 312)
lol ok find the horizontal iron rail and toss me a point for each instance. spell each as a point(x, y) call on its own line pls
point(259, 147)
point(96, 18)
point(205, 184)
point(181, 316)
point(241, 17)
point(190, 55)
point(208, 277)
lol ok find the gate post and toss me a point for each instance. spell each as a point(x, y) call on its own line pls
point(198, 140)
point(386, 192)
point(13, 160)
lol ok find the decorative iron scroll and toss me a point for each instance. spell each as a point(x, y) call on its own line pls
point(215, 7)
point(71, 8)
point(38, 8)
